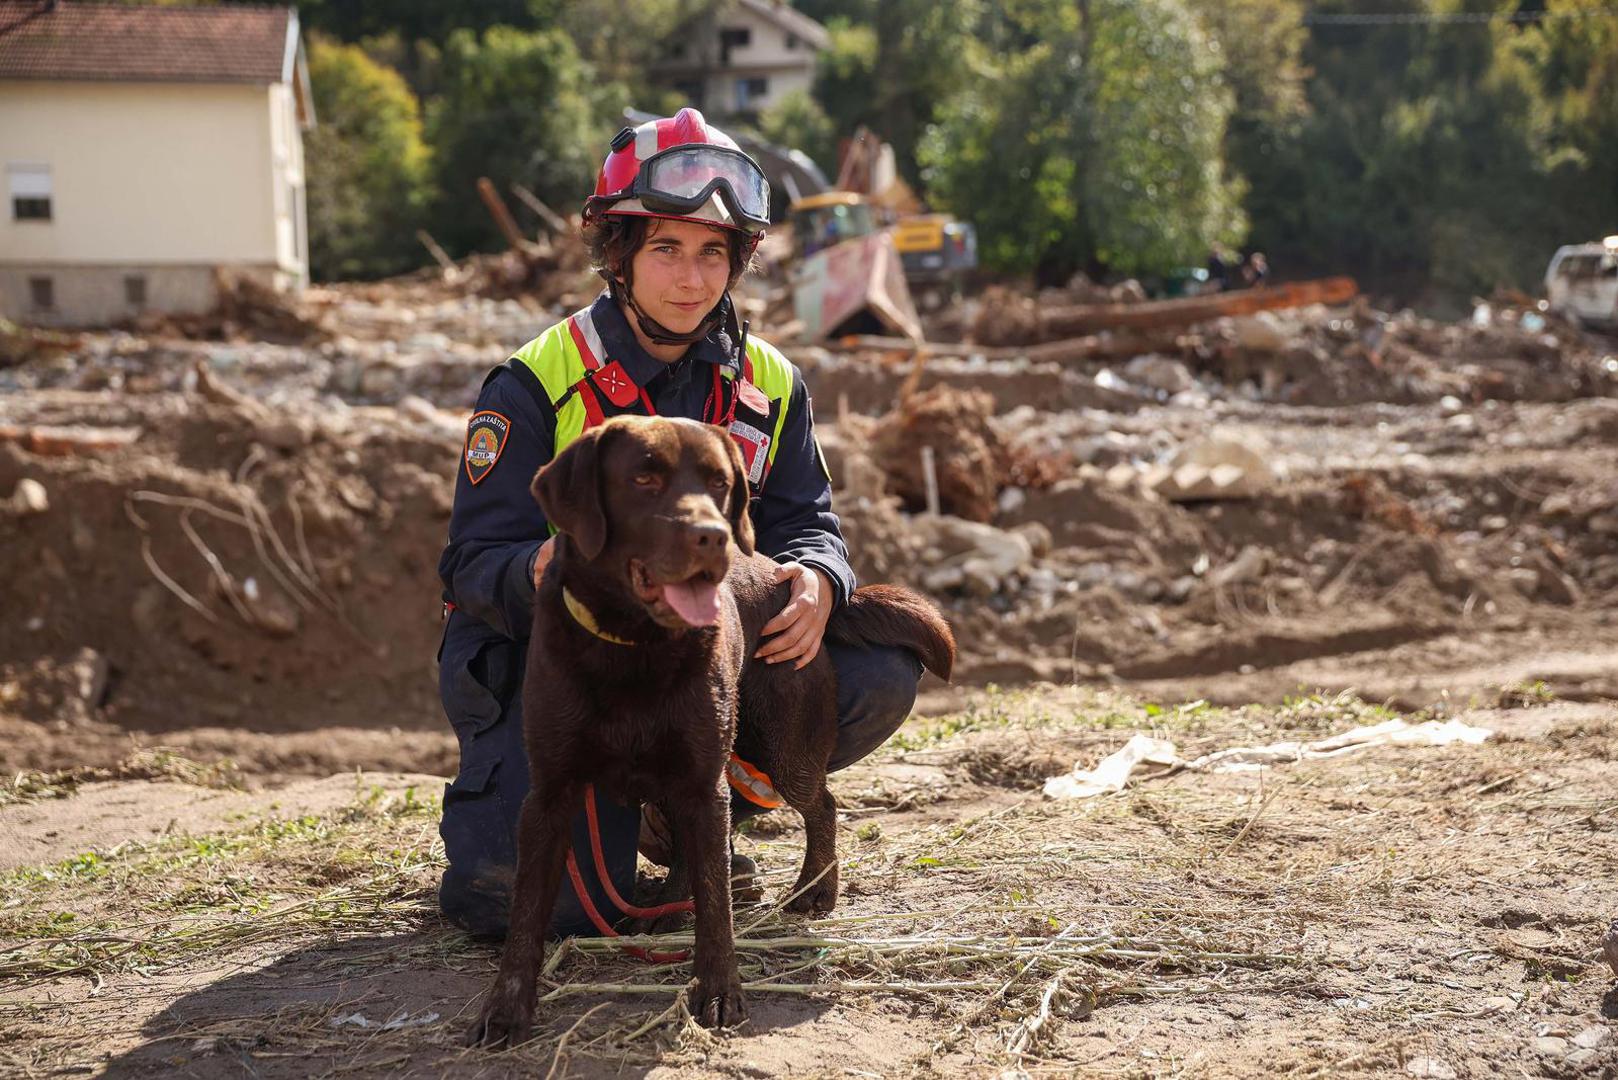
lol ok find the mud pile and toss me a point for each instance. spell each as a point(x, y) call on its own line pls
point(222, 562)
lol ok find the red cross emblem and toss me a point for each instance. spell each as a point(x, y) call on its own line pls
point(615, 382)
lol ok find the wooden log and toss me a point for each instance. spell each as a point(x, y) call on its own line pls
point(1078, 319)
point(440, 256)
point(502, 215)
point(554, 223)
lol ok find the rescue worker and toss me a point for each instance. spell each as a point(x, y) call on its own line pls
point(677, 213)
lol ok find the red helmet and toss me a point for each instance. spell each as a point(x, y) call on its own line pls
point(682, 167)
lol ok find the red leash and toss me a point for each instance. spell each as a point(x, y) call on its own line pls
point(602, 876)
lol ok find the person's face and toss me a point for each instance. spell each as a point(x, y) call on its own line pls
point(680, 272)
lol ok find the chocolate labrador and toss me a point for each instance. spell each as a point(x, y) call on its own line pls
point(637, 668)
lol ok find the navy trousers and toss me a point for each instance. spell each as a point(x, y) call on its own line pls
point(876, 689)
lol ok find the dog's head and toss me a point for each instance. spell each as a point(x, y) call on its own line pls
point(655, 502)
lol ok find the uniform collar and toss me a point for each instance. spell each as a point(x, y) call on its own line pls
point(620, 343)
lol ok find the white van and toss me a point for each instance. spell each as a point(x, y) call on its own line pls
point(1581, 283)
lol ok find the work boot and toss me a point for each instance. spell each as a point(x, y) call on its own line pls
point(744, 883)
point(656, 838)
point(657, 844)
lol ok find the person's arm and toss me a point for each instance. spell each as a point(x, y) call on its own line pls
point(495, 527)
point(793, 519)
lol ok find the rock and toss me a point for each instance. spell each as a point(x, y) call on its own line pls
point(1551, 1045)
point(1160, 373)
point(974, 555)
point(1038, 536)
point(1592, 1037)
point(1556, 586)
point(1218, 467)
point(1428, 1067)
point(1262, 332)
point(1244, 567)
point(29, 498)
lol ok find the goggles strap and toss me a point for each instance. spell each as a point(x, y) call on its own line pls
point(656, 331)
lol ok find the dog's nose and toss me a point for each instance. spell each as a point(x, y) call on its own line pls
point(708, 536)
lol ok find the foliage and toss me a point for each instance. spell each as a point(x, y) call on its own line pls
point(891, 67)
point(516, 106)
point(1096, 144)
point(798, 121)
point(367, 166)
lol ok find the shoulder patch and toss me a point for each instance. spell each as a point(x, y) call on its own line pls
point(486, 436)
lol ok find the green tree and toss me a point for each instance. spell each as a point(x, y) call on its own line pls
point(798, 121)
point(1260, 45)
point(368, 170)
point(1425, 166)
point(515, 106)
point(893, 65)
point(1094, 141)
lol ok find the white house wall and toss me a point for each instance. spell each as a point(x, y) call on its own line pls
point(163, 181)
point(149, 173)
point(765, 56)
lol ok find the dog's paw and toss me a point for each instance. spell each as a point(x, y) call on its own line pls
point(816, 899)
point(503, 1023)
point(718, 1004)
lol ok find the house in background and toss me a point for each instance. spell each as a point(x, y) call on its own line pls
point(744, 58)
point(146, 149)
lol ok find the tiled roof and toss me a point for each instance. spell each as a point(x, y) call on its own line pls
point(40, 39)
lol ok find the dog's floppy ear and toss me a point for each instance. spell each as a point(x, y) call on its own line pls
point(568, 490)
point(741, 525)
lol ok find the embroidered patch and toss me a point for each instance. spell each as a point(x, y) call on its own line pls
point(755, 446)
point(615, 382)
point(485, 441)
point(752, 397)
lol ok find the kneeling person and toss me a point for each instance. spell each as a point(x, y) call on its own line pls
point(677, 213)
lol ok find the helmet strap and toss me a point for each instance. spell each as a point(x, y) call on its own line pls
point(656, 331)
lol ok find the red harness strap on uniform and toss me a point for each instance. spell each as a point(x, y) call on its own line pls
point(605, 879)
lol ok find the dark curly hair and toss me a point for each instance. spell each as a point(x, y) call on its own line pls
point(612, 239)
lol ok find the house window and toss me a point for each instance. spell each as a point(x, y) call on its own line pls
point(792, 41)
point(42, 293)
point(750, 92)
point(135, 290)
point(732, 37)
point(30, 192)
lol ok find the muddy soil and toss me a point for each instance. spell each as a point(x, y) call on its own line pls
point(1432, 911)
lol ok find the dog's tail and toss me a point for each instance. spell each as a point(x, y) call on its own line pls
point(893, 615)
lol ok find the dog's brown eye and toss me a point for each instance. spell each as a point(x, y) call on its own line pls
point(718, 483)
point(645, 480)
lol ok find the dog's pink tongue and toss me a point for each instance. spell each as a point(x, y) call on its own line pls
point(696, 601)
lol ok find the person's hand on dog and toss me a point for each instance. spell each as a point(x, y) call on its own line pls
point(542, 559)
point(799, 626)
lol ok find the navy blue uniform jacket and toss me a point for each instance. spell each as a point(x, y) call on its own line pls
point(496, 528)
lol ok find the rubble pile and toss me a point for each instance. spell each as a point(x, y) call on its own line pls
point(245, 515)
point(259, 564)
point(967, 455)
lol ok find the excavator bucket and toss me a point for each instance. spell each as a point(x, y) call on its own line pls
point(855, 287)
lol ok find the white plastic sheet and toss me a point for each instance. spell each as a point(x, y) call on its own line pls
point(1117, 769)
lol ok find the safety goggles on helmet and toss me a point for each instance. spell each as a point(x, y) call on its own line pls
point(681, 179)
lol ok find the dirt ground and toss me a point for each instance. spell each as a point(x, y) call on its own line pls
point(219, 717)
point(1430, 911)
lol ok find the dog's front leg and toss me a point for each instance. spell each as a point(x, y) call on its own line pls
point(703, 831)
point(542, 845)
